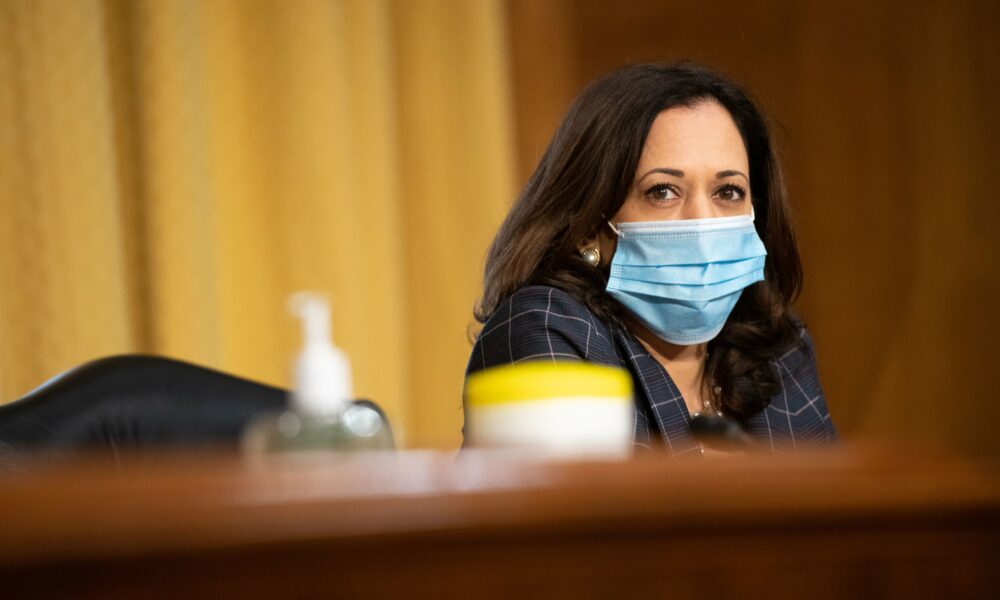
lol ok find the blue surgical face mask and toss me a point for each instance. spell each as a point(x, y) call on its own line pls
point(681, 279)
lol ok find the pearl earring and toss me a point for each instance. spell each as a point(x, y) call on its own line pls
point(592, 255)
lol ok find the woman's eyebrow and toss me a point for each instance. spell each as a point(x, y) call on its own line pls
point(722, 174)
point(679, 173)
point(674, 172)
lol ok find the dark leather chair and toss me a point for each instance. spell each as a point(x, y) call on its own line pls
point(137, 402)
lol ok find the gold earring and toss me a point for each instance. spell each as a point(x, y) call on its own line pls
point(592, 256)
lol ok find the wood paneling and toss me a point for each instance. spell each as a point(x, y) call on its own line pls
point(885, 114)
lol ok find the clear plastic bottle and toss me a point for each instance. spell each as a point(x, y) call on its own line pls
point(321, 416)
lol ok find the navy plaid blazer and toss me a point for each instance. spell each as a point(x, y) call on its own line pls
point(545, 323)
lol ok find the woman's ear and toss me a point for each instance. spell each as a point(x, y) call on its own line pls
point(607, 243)
point(598, 249)
point(591, 253)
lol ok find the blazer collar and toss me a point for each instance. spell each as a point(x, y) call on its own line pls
point(660, 394)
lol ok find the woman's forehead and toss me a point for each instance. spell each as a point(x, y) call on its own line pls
point(701, 137)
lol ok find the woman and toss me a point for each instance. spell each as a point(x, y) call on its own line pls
point(654, 235)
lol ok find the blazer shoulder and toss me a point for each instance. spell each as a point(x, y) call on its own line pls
point(802, 399)
point(542, 322)
point(801, 357)
point(544, 297)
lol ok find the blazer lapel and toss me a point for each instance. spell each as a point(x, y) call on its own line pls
point(660, 394)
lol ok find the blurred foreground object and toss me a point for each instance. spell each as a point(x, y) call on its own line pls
point(552, 408)
point(719, 432)
point(321, 416)
point(137, 404)
point(857, 524)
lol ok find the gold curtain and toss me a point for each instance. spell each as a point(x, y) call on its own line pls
point(171, 170)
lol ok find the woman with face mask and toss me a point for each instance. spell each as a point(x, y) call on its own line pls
point(654, 235)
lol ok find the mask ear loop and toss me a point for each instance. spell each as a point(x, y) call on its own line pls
point(615, 229)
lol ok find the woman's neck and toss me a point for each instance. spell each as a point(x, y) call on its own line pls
point(662, 349)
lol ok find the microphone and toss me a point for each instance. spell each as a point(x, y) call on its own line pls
point(720, 432)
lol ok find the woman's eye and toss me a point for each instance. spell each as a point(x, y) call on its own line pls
point(732, 193)
point(662, 192)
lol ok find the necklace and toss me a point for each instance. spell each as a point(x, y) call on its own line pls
point(707, 418)
point(707, 407)
point(707, 404)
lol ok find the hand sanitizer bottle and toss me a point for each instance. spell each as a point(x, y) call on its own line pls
point(321, 416)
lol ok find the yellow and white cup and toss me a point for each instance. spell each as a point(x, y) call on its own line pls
point(555, 409)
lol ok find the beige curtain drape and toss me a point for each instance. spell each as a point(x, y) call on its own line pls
point(171, 170)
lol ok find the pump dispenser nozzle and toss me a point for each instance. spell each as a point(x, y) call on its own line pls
point(324, 415)
point(322, 372)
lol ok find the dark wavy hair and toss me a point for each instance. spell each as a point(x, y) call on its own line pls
point(584, 177)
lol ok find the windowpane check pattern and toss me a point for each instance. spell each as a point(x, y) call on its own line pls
point(544, 323)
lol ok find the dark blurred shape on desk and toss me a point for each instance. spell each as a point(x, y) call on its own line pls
point(857, 523)
point(140, 403)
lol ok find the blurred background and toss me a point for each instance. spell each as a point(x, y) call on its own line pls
point(171, 170)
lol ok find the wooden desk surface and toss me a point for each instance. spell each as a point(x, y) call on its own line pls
point(882, 523)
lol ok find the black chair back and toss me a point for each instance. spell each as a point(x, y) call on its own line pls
point(137, 402)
